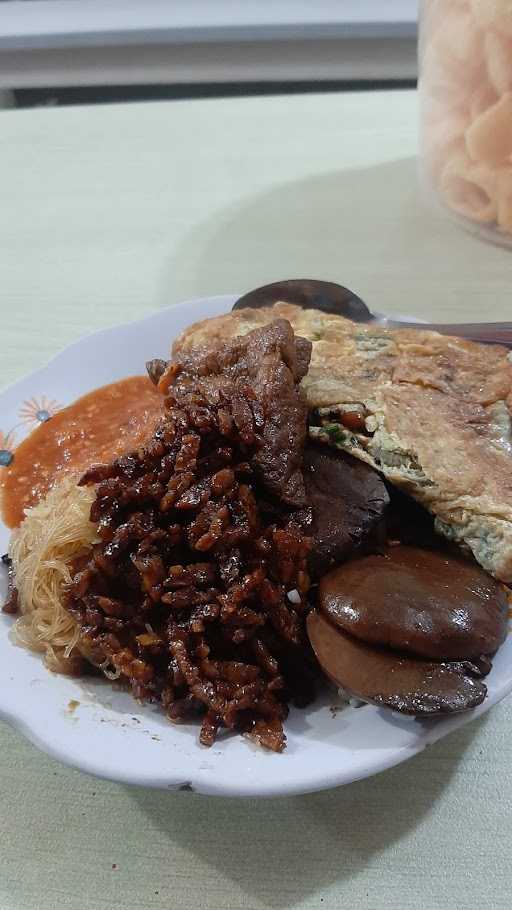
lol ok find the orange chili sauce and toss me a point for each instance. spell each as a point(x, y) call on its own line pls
point(108, 422)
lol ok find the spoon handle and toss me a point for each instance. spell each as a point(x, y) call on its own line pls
point(488, 332)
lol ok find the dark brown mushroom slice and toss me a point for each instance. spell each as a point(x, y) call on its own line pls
point(348, 500)
point(429, 603)
point(405, 684)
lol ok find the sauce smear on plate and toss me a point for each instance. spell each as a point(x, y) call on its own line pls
point(101, 425)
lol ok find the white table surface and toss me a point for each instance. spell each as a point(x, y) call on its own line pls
point(107, 213)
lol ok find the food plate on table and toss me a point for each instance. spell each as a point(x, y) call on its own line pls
point(89, 724)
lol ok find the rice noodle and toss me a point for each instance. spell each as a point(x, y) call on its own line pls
point(52, 535)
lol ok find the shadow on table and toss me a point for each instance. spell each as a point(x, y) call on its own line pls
point(317, 227)
point(280, 851)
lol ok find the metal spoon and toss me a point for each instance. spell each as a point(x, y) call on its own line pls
point(334, 299)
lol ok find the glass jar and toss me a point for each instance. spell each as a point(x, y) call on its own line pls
point(465, 59)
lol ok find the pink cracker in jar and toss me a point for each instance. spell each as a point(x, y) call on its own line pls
point(495, 14)
point(446, 80)
point(482, 98)
point(434, 111)
point(504, 193)
point(498, 57)
point(457, 33)
point(434, 10)
point(489, 138)
point(469, 188)
point(443, 135)
point(453, 65)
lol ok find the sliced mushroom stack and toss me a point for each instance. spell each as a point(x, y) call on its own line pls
point(410, 629)
point(348, 500)
point(391, 680)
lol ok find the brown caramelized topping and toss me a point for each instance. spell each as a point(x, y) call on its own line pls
point(185, 598)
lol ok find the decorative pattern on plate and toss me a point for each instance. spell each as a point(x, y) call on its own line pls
point(32, 412)
point(38, 410)
point(6, 448)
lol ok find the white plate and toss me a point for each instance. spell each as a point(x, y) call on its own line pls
point(111, 735)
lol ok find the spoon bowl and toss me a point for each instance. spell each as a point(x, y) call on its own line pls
point(334, 299)
point(311, 295)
